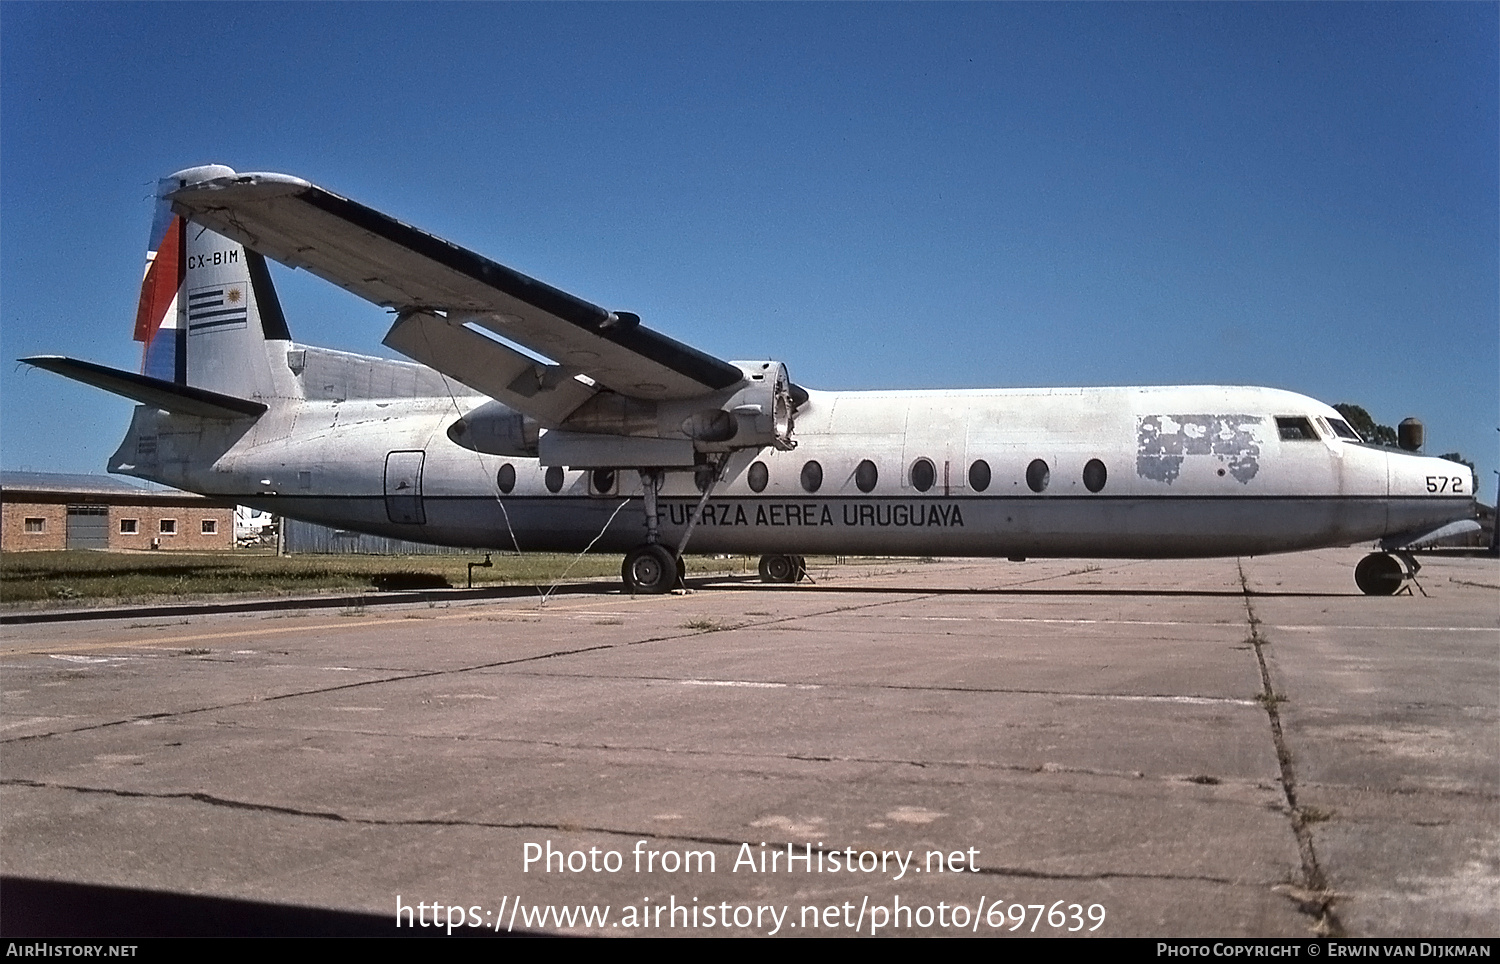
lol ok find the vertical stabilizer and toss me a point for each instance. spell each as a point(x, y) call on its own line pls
point(208, 315)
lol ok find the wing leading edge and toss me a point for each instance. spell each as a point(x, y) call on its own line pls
point(442, 293)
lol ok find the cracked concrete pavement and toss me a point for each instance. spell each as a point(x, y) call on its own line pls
point(1213, 747)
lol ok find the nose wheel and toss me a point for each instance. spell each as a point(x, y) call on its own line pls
point(1382, 574)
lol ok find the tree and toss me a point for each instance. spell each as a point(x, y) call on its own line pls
point(1368, 429)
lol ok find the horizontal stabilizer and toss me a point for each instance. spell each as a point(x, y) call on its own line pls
point(1421, 540)
point(168, 396)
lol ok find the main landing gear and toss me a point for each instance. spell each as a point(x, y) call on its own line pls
point(652, 568)
point(779, 568)
point(1384, 573)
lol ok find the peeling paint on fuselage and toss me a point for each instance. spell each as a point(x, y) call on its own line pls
point(1163, 441)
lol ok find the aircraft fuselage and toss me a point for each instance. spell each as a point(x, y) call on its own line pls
point(1091, 472)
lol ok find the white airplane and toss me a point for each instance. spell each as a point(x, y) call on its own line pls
point(622, 439)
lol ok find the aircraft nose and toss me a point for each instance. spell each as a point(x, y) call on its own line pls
point(1425, 491)
point(1416, 476)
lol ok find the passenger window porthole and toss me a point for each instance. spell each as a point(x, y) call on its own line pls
point(923, 474)
point(554, 479)
point(979, 475)
point(866, 475)
point(812, 476)
point(506, 478)
point(1037, 475)
point(1094, 475)
point(758, 476)
point(604, 481)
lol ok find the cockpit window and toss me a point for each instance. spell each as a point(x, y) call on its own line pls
point(1295, 428)
point(1342, 430)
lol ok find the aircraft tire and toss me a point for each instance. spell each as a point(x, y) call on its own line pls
point(778, 568)
point(1379, 574)
point(650, 570)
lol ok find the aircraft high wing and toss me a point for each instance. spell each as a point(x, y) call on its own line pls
point(609, 374)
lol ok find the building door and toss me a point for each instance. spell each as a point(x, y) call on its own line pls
point(403, 487)
point(88, 527)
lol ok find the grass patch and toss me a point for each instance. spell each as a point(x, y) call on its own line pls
point(709, 625)
point(1315, 814)
point(42, 579)
point(36, 579)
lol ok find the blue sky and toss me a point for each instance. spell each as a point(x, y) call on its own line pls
point(1295, 195)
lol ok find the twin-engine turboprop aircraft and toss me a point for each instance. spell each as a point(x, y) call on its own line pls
point(629, 441)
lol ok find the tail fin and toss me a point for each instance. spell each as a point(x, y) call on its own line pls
point(208, 310)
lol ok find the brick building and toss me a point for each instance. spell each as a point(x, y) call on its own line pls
point(44, 510)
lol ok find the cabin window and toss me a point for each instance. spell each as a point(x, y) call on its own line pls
point(923, 474)
point(1295, 428)
point(168, 527)
point(812, 476)
point(604, 481)
point(35, 525)
point(1094, 475)
point(506, 478)
point(758, 476)
point(210, 527)
point(554, 479)
point(865, 476)
point(1342, 430)
point(979, 475)
point(129, 527)
point(1037, 475)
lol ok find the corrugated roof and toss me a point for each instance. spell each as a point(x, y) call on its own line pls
point(71, 483)
point(68, 482)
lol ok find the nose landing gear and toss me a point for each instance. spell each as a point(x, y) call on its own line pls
point(1384, 573)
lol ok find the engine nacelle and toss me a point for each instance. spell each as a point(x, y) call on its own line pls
point(757, 412)
point(496, 429)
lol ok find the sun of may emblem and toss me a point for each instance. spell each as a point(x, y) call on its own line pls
point(233, 296)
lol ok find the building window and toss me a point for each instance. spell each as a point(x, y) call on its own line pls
point(168, 527)
point(129, 527)
point(210, 527)
point(36, 525)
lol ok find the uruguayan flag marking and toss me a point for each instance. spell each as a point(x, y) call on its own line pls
point(218, 308)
